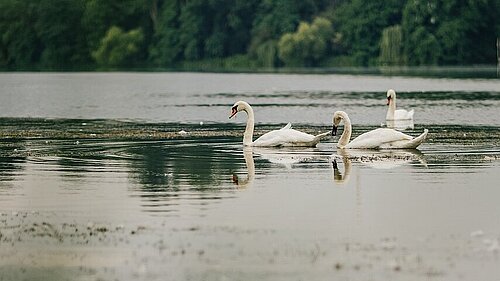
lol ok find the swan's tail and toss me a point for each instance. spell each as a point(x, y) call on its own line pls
point(418, 140)
point(317, 138)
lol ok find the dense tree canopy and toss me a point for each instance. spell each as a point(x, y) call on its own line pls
point(450, 32)
point(76, 34)
point(308, 45)
point(118, 48)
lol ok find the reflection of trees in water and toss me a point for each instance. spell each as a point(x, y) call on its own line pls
point(170, 165)
point(76, 160)
point(150, 164)
point(11, 162)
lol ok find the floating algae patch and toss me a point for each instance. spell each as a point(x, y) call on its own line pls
point(28, 128)
point(106, 129)
point(34, 128)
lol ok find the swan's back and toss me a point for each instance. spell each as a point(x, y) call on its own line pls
point(379, 138)
point(403, 114)
point(286, 137)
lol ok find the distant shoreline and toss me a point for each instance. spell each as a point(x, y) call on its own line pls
point(463, 71)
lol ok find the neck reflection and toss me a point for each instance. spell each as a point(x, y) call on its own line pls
point(338, 176)
point(244, 182)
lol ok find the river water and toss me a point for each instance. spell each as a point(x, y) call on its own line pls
point(97, 181)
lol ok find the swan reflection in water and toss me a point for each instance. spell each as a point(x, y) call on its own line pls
point(340, 163)
point(337, 174)
point(287, 157)
point(381, 159)
point(248, 180)
point(384, 159)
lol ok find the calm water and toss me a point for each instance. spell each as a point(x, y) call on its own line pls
point(96, 183)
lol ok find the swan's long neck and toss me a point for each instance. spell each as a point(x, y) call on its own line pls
point(346, 134)
point(391, 109)
point(248, 135)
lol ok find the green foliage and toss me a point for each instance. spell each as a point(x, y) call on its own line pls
point(64, 34)
point(235, 63)
point(59, 31)
point(361, 23)
point(391, 46)
point(201, 29)
point(118, 48)
point(193, 29)
point(450, 32)
point(273, 19)
point(19, 45)
point(308, 45)
point(100, 15)
point(239, 62)
point(266, 54)
point(166, 49)
point(427, 50)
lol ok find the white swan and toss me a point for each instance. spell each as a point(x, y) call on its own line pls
point(392, 113)
point(382, 138)
point(285, 136)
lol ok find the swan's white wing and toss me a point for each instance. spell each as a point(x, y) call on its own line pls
point(378, 138)
point(271, 137)
point(402, 114)
point(284, 137)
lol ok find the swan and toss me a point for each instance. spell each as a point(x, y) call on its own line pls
point(392, 113)
point(285, 136)
point(381, 138)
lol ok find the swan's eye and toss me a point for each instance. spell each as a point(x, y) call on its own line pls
point(234, 109)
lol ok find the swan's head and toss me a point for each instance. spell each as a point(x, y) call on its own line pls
point(237, 107)
point(391, 94)
point(337, 117)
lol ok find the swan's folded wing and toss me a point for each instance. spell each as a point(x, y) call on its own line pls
point(272, 138)
point(377, 138)
point(283, 137)
point(402, 114)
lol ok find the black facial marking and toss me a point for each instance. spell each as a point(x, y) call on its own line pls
point(334, 130)
point(234, 110)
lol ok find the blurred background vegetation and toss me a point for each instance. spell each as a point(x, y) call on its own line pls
point(245, 34)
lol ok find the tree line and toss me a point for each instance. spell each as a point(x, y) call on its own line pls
point(173, 34)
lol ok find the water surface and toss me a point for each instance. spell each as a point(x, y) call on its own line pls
point(97, 183)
